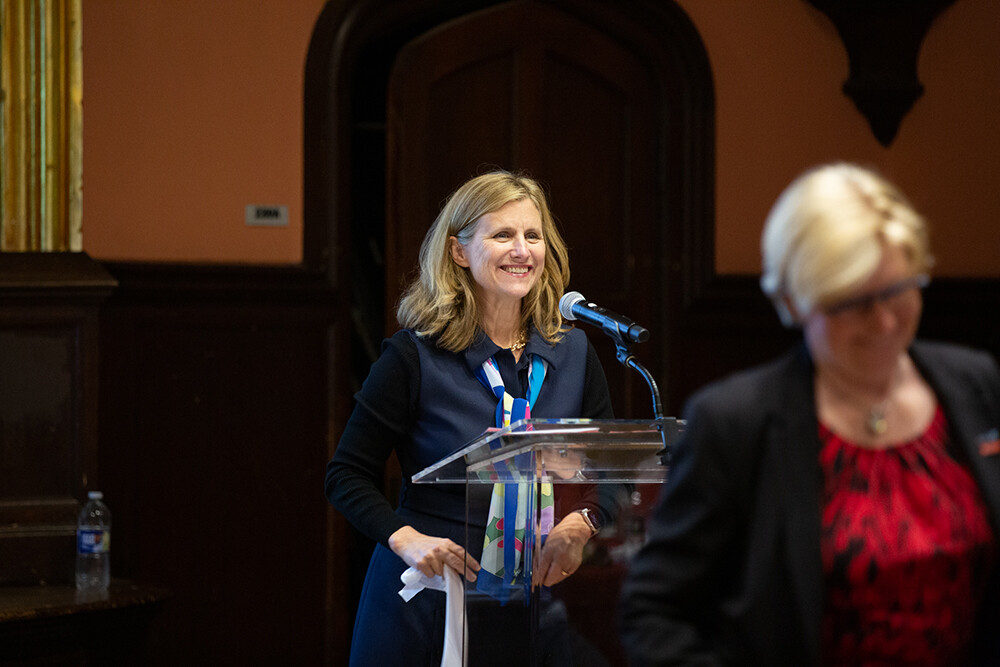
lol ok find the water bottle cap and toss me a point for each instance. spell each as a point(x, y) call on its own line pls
point(95, 495)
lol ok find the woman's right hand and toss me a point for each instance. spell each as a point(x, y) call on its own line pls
point(430, 554)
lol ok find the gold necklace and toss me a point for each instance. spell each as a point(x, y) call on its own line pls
point(520, 342)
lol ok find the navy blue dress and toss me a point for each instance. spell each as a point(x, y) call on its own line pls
point(424, 403)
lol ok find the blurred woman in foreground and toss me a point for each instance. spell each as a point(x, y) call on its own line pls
point(838, 505)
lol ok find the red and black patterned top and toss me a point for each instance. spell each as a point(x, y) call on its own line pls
point(906, 546)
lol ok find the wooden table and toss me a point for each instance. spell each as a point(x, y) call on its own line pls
point(56, 625)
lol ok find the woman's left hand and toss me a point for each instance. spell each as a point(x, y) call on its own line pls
point(563, 551)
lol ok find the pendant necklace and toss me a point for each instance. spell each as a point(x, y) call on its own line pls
point(876, 422)
point(876, 417)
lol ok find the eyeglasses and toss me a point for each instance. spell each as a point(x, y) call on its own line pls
point(888, 295)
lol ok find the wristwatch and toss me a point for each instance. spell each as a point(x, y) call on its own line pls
point(591, 518)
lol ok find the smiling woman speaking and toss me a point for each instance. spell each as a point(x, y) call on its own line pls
point(482, 329)
point(839, 505)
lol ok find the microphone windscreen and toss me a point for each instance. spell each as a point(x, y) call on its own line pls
point(566, 303)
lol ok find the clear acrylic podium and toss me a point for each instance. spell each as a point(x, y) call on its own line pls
point(614, 465)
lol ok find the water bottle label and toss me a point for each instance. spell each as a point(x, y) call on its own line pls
point(93, 541)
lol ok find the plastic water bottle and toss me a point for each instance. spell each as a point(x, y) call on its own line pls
point(93, 545)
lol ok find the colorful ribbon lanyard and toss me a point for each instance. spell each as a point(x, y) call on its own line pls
point(503, 546)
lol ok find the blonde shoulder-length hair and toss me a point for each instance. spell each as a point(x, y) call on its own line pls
point(441, 301)
point(826, 233)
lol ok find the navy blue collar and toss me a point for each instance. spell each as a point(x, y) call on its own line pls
point(483, 348)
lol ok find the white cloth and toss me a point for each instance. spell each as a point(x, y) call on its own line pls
point(455, 627)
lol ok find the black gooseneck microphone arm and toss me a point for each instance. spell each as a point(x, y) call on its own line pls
point(667, 427)
point(573, 306)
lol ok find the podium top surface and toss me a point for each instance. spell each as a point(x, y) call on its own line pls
point(561, 451)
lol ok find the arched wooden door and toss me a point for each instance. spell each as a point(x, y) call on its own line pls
point(609, 104)
point(529, 86)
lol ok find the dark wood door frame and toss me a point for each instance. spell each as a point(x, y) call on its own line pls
point(348, 64)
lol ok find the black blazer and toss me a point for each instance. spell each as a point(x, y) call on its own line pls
point(731, 572)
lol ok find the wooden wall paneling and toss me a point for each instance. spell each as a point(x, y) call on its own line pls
point(963, 310)
point(214, 441)
point(48, 409)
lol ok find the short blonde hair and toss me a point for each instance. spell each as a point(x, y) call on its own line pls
point(825, 235)
point(441, 301)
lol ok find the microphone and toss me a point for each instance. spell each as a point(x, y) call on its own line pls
point(573, 306)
